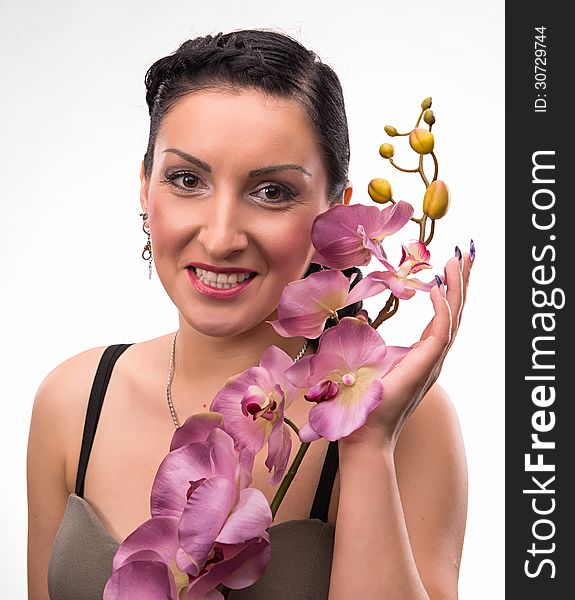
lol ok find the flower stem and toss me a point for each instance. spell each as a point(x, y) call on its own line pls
point(292, 425)
point(404, 170)
point(381, 316)
point(420, 115)
point(422, 228)
point(422, 172)
point(431, 232)
point(436, 165)
point(288, 478)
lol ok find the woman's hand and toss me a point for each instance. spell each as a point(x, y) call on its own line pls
point(406, 384)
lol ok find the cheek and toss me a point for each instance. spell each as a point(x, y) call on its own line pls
point(289, 245)
point(167, 236)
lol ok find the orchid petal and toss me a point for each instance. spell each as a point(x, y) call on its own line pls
point(244, 430)
point(347, 412)
point(250, 517)
point(158, 534)
point(279, 451)
point(370, 285)
point(241, 566)
point(196, 429)
point(202, 520)
point(179, 467)
point(394, 217)
point(307, 433)
point(420, 285)
point(141, 580)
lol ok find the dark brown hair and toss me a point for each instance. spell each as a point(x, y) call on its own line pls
point(275, 64)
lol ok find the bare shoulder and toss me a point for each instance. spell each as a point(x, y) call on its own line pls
point(431, 472)
point(431, 439)
point(59, 405)
point(61, 400)
point(433, 424)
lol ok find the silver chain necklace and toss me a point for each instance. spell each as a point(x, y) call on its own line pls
point(170, 376)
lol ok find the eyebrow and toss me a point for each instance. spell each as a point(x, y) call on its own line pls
point(254, 173)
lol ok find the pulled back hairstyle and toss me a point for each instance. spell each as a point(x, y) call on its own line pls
point(269, 62)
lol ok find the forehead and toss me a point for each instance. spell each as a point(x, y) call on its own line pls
point(246, 128)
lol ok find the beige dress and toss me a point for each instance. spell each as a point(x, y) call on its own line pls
point(81, 559)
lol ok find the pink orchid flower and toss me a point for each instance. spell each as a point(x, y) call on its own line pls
point(306, 304)
point(348, 235)
point(344, 377)
point(207, 527)
point(414, 258)
point(253, 405)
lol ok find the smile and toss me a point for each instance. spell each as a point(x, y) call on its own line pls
point(219, 285)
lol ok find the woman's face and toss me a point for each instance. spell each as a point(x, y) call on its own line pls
point(237, 181)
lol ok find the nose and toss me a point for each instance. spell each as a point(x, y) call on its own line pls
point(222, 231)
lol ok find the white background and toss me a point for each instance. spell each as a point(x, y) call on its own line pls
point(74, 131)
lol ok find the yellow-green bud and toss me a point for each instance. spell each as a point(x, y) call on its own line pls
point(421, 141)
point(436, 199)
point(426, 103)
point(429, 117)
point(390, 130)
point(386, 150)
point(379, 190)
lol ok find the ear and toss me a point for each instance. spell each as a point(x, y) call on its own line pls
point(347, 192)
point(143, 190)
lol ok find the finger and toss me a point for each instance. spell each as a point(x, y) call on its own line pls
point(424, 360)
point(440, 325)
point(468, 259)
point(454, 280)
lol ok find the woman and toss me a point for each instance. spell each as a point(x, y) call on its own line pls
point(248, 144)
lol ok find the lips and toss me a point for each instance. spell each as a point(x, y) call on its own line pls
point(249, 274)
point(214, 269)
point(216, 293)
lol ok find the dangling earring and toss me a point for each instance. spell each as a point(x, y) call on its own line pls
point(148, 246)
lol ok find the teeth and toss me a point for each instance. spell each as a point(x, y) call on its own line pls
point(222, 281)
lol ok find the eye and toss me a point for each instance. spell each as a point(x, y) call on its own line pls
point(189, 180)
point(277, 194)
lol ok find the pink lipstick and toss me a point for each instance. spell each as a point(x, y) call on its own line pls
point(218, 294)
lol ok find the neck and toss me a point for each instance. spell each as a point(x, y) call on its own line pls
point(201, 357)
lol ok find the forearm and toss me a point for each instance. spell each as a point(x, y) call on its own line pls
point(373, 558)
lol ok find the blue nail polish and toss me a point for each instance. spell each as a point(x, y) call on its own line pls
point(458, 252)
point(438, 281)
point(471, 251)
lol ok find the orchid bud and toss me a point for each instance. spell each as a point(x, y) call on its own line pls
point(429, 117)
point(390, 130)
point(386, 150)
point(421, 141)
point(426, 103)
point(436, 199)
point(379, 190)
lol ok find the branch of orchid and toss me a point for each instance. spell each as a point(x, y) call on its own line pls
point(436, 163)
point(419, 119)
point(401, 169)
point(390, 313)
point(288, 478)
point(292, 425)
point(431, 232)
point(422, 172)
point(386, 312)
point(422, 228)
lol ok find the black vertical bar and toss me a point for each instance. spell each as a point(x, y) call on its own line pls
point(540, 423)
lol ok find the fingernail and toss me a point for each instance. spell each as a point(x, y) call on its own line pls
point(471, 251)
point(458, 252)
point(438, 281)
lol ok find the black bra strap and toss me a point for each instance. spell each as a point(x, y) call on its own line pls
point(320, 506)
point(99, 387)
